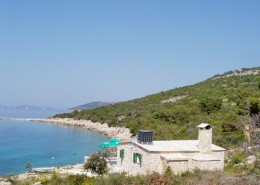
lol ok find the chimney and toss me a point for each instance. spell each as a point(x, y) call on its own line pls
point(205, 138)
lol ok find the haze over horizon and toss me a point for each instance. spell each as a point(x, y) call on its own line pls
point(62, 54)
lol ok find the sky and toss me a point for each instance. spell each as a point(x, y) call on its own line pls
point(65, 53)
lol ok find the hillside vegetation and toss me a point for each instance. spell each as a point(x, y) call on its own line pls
point(89, 106)
point(224, 101)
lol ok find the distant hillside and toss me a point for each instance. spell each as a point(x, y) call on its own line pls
point(89, 106)
point(225, 101)
point(26, 107)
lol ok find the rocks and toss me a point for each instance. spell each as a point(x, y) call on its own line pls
point(118, 132)
point(37, 183)
point(250, 159)
point(5, 183)
point(239, 73)
point(173, 99)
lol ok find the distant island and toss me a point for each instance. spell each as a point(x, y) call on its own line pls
point(92, 105)
point(26, 107)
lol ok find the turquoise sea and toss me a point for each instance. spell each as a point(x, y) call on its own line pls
point(42, 144)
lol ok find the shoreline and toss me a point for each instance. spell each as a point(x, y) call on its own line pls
point(118, 132)
point(76, 169)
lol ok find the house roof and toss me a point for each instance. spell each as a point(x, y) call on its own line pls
point(174, 146)
point(204, 125)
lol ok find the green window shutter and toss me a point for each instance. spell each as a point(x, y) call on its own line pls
point(134, 157)
point(137, 158)
point(122, 153)
point(140, 158)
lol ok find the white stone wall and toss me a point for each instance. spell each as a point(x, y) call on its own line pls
point(208, 165)
point(178, 167)
point(150, 162)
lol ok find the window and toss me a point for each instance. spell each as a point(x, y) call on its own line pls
point(122, 152)
point(137, 158)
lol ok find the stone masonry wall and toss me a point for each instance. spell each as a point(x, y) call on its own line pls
point(150, 162)
point(178, 167)
point(208, 165)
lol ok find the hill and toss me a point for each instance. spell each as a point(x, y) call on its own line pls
point(89, 106)
point(225, 101)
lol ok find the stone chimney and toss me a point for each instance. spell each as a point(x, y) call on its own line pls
point(205, 138)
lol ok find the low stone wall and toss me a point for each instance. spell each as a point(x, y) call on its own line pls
point(206, 165)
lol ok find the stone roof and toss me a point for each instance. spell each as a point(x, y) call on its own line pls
point(174, 146)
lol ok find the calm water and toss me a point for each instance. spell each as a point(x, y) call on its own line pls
point(41, 144)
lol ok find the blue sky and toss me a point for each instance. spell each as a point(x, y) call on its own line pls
point(65, 53)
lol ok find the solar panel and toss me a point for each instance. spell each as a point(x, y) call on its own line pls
point(145, 136)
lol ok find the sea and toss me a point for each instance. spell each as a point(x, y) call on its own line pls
point(42, 144)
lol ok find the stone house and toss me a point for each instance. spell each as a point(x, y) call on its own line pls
point(137, 157)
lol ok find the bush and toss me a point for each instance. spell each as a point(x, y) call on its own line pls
point(96, 164)
point(79, 180)
point(168, 171)
point(115, 179)
point(210, 104)
point(254, 105)
point(237, 157)
point(157, 179)
point(230, 127)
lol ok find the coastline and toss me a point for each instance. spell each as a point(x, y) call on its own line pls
point(77, 169)
point(118, 132)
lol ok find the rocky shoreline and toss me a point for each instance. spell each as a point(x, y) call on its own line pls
point(118, 132)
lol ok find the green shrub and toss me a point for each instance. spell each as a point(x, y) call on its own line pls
point(168, 171)
point(210, 104)
point(230, 127)
point(254, 105)
point(79, 180)
point(115, 179)
point(237, 157)
point(96, 164)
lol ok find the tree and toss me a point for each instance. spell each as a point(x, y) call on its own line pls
point(96, 164)
point(29, 167)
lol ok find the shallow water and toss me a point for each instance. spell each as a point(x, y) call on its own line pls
point(42, 144)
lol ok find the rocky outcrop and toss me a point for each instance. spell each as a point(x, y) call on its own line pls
point(118, 132)
point(238, 73)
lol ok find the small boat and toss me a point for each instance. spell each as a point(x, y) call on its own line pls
point(43, 170)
